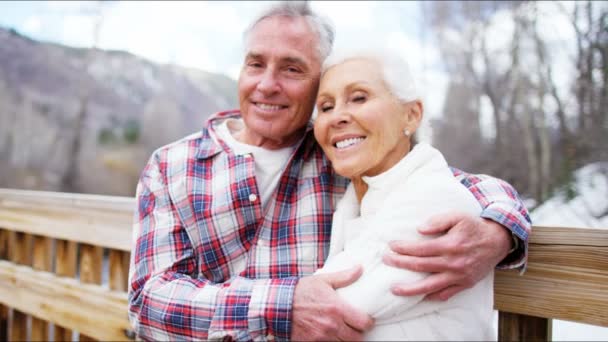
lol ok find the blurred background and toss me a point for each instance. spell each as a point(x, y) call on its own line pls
point(515, 89)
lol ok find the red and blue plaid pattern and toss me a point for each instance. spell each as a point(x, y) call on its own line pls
point(209, 262)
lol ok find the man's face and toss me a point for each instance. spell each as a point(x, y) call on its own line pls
point(278, 82)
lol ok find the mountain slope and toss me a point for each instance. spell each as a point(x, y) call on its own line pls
point(103, 111)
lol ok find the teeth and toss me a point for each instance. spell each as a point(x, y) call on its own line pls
point(268, 107)
point(348, 142)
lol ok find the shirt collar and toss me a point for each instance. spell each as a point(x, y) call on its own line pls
point(211, 144)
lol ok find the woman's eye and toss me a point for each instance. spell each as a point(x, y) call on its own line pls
point(359, 98)
point(326, 108)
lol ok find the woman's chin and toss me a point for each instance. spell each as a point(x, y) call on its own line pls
point(347, 171)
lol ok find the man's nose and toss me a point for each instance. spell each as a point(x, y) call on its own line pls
point(268, 83)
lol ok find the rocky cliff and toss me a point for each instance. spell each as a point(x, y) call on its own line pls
point(86, 120)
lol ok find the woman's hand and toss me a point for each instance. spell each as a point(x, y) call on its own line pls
point(468, 250)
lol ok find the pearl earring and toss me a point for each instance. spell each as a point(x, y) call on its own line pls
point(406, 132)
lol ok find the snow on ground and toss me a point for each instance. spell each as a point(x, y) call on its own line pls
point(588, 209)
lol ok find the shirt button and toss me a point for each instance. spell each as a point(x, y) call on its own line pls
point(253, 197)
point(262, 243)
point(270, 338)
point(248, 156)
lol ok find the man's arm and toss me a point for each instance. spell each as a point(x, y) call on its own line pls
point(471, 246)
point(168, 297)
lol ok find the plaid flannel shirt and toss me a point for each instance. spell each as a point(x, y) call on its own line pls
point(209, 263)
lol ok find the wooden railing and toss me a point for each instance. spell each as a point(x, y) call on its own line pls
point(64, 266)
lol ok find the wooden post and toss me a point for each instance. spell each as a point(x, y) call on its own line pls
point(119, 270)
point(20, 247)
point(119, 274)
point(91, 266)
point(3, 309)
point(65, 266)
point(516, 327)
point(42, 260)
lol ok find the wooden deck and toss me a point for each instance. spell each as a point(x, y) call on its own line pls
point(64, 267)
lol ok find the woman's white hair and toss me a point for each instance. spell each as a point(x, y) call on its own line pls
point(395, 69)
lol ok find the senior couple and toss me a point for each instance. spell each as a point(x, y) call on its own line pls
point(260, 227)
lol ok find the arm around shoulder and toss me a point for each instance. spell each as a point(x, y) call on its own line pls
point(501, 204)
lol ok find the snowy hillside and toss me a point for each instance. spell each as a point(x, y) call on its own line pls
point(588, 209)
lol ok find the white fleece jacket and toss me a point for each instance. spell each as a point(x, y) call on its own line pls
point(397, 202)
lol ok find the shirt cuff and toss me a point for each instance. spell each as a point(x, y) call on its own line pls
point(509, 217)
point(270, 309)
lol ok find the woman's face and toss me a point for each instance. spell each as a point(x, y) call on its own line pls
point(360, 123)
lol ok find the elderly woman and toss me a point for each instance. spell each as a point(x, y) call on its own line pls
point(367, 112)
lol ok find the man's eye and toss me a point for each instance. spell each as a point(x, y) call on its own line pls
point(254, 64)
point(293, 70)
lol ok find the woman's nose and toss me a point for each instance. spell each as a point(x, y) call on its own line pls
point(340, 117)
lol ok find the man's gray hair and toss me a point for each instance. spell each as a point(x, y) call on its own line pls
point(295, 9)
point(395, 69)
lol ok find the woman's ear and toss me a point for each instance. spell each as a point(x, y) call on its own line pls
point(415, 112)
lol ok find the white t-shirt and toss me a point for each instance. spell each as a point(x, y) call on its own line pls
point(269, 164)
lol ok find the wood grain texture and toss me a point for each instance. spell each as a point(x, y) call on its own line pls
point(90, 269)
point(88, 308)
point(567, 277)
point(66, 253)
point(516, 327)
point(20, 252)
point(42, 260)
point(98, 220)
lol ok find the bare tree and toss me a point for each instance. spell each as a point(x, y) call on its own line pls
point(70, 177)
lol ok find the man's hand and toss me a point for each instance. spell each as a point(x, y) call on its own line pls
point(320, 314)
point(468, 250)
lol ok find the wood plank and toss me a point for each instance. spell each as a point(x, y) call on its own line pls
point(43, 261)
point(516, 327)
point(20, 252)
point(569, 236)
point(107, 229)
point(90, 268)
point(66, 253)
point(566, 280)
point(91, 309)
point(119, 270)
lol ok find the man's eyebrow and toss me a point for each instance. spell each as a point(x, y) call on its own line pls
point(253, 55)
point(294, 60)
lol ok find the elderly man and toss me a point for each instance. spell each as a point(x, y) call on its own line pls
point(232, 221)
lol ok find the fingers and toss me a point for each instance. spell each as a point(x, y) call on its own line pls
point(342, 278)
point(420, 264)
point(441, 223)
point(357, 319)
point(446, 294)
point(430, 284)
point(347, 333)
point(427, 248)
